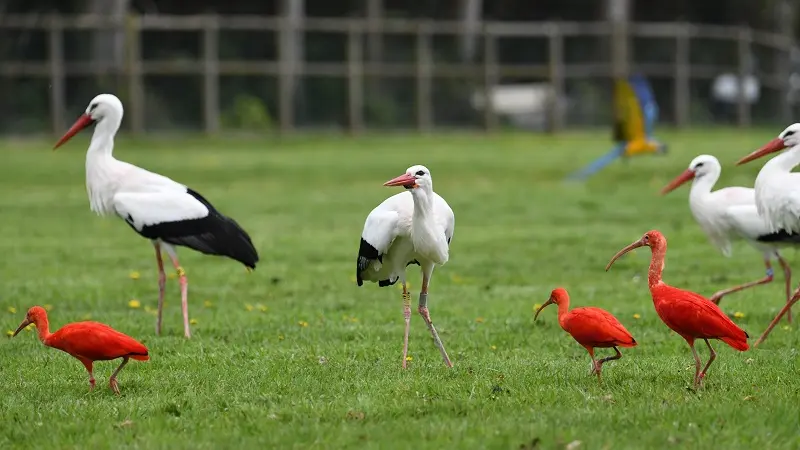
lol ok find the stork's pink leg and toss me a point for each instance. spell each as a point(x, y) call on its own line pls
point(407, 317)
point(777, 318)
point(770, 275)
point(162, 281)
point(423, 311)
point(184, 293)
point(787, 274)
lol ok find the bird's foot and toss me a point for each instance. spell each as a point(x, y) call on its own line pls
point(91, 384)
point(112, 383)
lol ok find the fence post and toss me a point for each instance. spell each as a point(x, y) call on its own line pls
point(134, 69)
point(618, 16)
point(57, 89)
point(424, 69)
point(355, 80)
point(785, 20)
point(490, 78)
point(286, 85)
point(211, 74)
point(682, 68)
point(742, 107)
point(556, 66)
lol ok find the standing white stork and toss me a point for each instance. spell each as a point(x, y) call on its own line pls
point(730, 213)
point(166, 212)
point(778, 194)
point(412, 227)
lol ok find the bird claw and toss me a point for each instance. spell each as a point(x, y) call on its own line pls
point(112, 383)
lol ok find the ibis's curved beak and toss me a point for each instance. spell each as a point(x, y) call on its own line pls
point(772, 146)
point(22, 326)
point(404, 180)
point(548, 302)
point(637, 244)
point(687, 175)
point(83, 121)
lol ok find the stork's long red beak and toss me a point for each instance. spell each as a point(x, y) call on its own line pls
point(687, 175)
point(548, 302)
point(637, 244)
point(405, 180)
point(83, 121)
point(22, 326)
point(772, 146)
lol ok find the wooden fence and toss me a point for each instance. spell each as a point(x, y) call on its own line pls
point(356, 67)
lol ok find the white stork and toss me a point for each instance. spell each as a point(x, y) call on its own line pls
point(778, 193)
point(412, 227)
point(730, 213)
point(166, 212)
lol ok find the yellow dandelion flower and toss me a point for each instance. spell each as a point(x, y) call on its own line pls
point(280, 337)
point(352, 279)
point(261, 307)
point(479, 320)
point(400, 286)
point(248, 306)
point(30, 327)
point(536, 306)
point(193, 322)
point(637, 316)
point(303, 323)
point(493, 347)
point(207, 304)
point(12, 310)
point(134, 275)
point(738, 315)
point(9, 333)
point(786, 328)
point(353, 320)
point(48, 307)
point(86, 317)
point(134, 304)
point(172, 275)
point(456, 279)
point(409, 358)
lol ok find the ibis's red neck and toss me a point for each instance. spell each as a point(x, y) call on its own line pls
point(659, 250)
point(563, 310)
point(42, 328)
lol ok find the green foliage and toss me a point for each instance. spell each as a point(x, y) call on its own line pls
point(254, 377)
point(247, 113)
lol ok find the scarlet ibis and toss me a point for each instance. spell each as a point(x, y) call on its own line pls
point(412, 227)
point(778, 194)
point(87, 342)
point(591, 327)
point(731, 213)
point(157, 208)
point(690, 315)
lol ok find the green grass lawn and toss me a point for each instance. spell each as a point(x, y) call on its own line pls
point(295, 355)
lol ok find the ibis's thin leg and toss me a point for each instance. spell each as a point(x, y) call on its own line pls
point(595, 366)
point(184, 289)
point(423, 311)
point(697, 362)
point(112, 382)
point(407, 318)
point(88, 364)
point(767, 279)
point(787, 274)
point(712, 357)
point(162, 281)
point(610, 358)
point(777, 318)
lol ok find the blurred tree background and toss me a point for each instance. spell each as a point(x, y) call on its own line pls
point(250, 102)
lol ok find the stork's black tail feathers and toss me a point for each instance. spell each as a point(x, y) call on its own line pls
point(216, 234)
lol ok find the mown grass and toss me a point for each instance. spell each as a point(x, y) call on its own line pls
point(294, 355)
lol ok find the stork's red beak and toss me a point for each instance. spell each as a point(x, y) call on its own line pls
point(22, 326)
point(687, 175)
point(404, 180)
point(772, 146)
point(83, 121)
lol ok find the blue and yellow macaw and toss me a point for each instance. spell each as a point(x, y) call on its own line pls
point(635, 115)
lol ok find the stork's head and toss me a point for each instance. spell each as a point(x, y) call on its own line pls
point(653, 239)
point(35, 315)
point(790, 137)
point(103, 107)
point(557, 296)
point(701, 166)
point(415, 177)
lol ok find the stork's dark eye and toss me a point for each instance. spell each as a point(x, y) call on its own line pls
point(698, 165)
point(788, 133)
point(92, 107)
point(420, 173)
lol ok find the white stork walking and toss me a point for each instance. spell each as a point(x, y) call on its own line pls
point(412, 227)
point(778, 193)
point(730, 213)
point(166, 212)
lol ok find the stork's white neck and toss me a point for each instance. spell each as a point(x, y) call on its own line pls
point(784, 162)
point(423, 201)
point(702, 185)
point(102, 170)
point(103, 136)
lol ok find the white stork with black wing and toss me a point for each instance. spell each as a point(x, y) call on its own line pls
point(412, 227)
point(166, 212)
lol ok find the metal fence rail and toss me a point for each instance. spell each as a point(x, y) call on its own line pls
point(356, 67)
